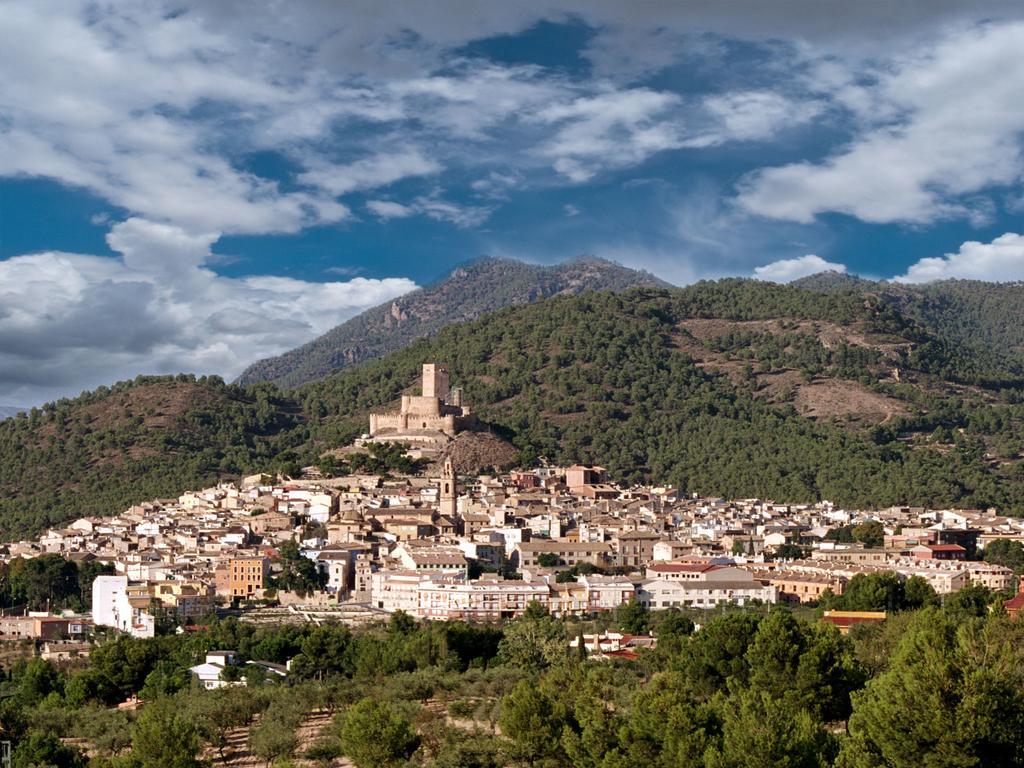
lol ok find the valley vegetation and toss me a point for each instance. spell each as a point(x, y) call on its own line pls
point(932, 685)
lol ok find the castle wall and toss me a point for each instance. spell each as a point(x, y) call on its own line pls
point(404, 422)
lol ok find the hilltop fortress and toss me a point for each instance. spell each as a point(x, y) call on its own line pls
point(438, 409)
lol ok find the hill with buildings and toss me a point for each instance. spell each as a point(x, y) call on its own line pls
point(470, 291)
point(737, 387)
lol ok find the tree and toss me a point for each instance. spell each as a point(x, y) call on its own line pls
point(217, 712)
point(917, 593)
point(632, 617)
point(535, 641)
point(375, 735)
point(871, 533)
point(717, 653)
point(969, 601)
point(45, 582)
point(547, 560)
point(298, 572)
point(872, 592)
point(761, 731)
point(665, 727)
point(273, 739)
point(164, 737)
point(533, 722)
point(43, 750)
point(38, 679)
point(789, 552)
point(774, 655)
point(167, 678)
point(1006, 552)
point(953, 695)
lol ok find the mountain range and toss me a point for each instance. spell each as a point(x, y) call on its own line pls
point(862, 393)
point(468, 292)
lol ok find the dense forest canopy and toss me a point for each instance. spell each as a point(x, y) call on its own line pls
point(705, 387)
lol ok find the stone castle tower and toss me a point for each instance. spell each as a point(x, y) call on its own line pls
point(449, 494)
point(437, 409)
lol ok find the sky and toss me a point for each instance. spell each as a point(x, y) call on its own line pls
point(191, 186)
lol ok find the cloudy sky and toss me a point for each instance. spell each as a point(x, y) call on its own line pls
point(189, 186)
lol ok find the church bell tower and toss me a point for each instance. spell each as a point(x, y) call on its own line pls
point(449, 490)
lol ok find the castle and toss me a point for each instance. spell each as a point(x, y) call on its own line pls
point(438, 409)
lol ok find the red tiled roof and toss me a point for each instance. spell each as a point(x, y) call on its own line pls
point(1015, 603)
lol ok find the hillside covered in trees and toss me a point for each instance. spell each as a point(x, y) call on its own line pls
point(736, 388)
point(470, 291)
point(964, 311)
point(932, 686)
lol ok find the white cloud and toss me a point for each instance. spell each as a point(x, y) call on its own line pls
point(388, 209)
point(370, 172)
point(70, 321)
point(1002, 260)
point(951, 121)
point(787, 270)
point(434, 207)
point(611, 129)
point(757, 115)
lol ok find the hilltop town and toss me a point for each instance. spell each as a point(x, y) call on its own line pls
point(483, 548)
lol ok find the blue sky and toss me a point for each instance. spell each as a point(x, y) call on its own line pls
point(192, 186)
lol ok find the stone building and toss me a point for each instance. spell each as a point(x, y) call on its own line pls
point(438, 409)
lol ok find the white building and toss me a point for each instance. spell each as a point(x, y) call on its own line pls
point(658, 594)
point(209, 672)
point(115, 603)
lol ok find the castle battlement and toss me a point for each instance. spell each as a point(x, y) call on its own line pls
point(438, 409)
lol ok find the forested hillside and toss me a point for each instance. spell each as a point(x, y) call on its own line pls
point(148, 438)
point(736, 388)
point(963, 311)
point(467, 293)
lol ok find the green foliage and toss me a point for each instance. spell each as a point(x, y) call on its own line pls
point(383, 459)
point(533, 721)
point(871, 534)
point(548, 560)
point(883, 591)
point(375, 735)
point(1006, 552)
point(536, 641)
point(632, 617)
point(761, 731)
point(148, 438)
point(48, 582)
point(951, 697)
point(298, 573)
point(163, 737)
point(45, 750)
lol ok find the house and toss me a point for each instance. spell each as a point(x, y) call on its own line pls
point(939, 552)
point(1015, 605)
point(567, 553)
point(210, 672)
point(662, 593)
point(120, 604)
